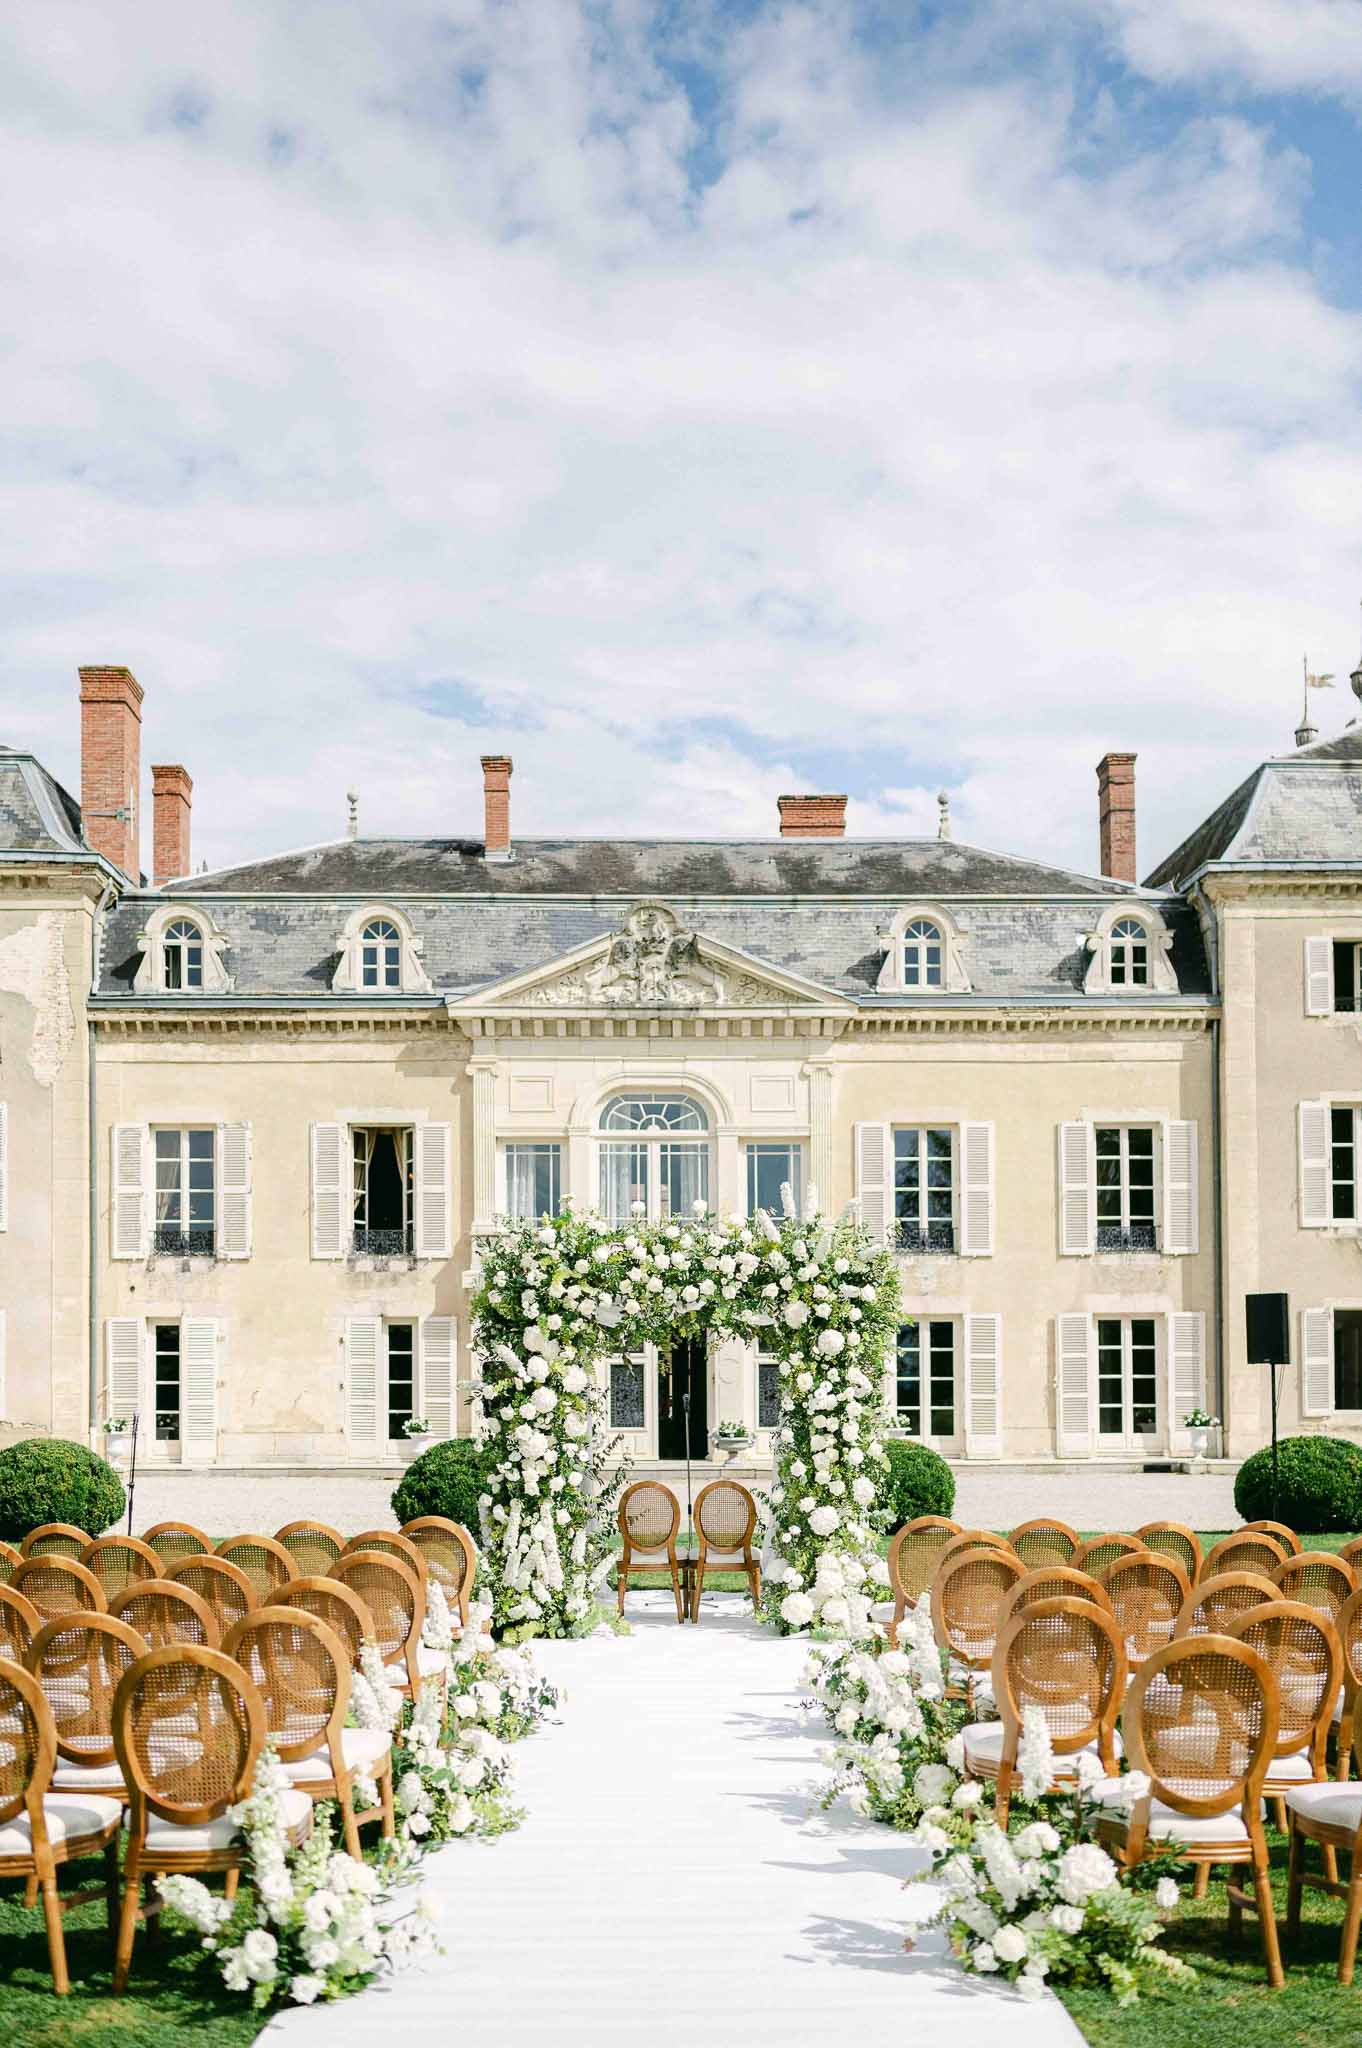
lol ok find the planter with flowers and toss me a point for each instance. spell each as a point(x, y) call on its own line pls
point(1201, 1428)
point(415, 1439)
point(728, 1439)
point(117, 1440)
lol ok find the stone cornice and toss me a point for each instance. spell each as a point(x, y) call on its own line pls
point(1226, 885)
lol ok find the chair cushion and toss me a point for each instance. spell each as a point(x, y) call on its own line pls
point(179, 1840)
point(69, 1818)
point(1296, 1769)
point(1166, 1824)
point(1337, 1806)
point(984, 1746)
point(69, 1777)
point(363, 1749)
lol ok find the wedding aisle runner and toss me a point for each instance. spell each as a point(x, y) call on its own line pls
point(669, 1886)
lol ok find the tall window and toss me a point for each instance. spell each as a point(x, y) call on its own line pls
point(1343, 1163)
point(925, 1388)
point(534, 1181)
point(769, 1168)
point(1125, 1188)
point(1348, 1358)
point(383, 1191)
point(1129, 954)
point(922, 954)
point(924, 1190)
point(166, 1381)
point(628, 1409)
point(768, 1391)
point(1127, 1379)
point(380, 955)
point(185, 1195)
point(664, 1172)
point(401, 1375)
point(182, 954)
point(1347, 975)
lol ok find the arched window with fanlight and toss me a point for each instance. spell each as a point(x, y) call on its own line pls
point(182, 955)
point(380, 954)
point(923, 954)
point(654, 1156)
point(1129, 944)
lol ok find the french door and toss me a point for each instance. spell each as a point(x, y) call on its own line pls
point(1128, 1383)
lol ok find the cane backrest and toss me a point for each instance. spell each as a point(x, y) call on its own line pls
point(1044, 1541)
point(175, 1540)
point(395, 1545)
point(1098, 1552)
point(1214, 1603)
point(391, 1592)
point(450, 1553)
point(725, 1517)
point(78, 1660)
point(28, 1745)
point(58, 1585)
point(967, 1603)
point(313, 1546)
point(1054, 1582)
point(915, 1552)
point(340, 1607)
point(19, 1623)
point(1200, 1720)
point(1318, 1578)
point(266, 1563)
point(1254, 1552)
point(1289, 1540)
point(1147, 1595)
point(119, 1562)
point(188, 1727)
point(166, 1615)
point(10, 1561)
point(222, 1585)
point(301, 1670)
point(649, 1515)
point(972, 1539)
point(55, 1539)
point(1348, 1553)
point(1175, 1540)
point(1065, 1657)
point(1301, 1649)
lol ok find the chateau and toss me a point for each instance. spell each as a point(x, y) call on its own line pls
point(253, 1124)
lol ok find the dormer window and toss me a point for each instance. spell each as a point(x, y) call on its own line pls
point(182, 955)
point(923, 954)
point(1129, 954)
point(380, 955)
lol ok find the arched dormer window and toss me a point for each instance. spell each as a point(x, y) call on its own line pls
point(1129, 944)
point(182, 954)
point(380, 955)
point(1131, 954)
point(923, 954)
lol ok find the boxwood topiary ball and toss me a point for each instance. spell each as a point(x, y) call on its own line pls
point(445, 1480)
point(1321, 1484)
point(46, 1479)
point(919, 1482)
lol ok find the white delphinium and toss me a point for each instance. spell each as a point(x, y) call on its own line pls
point(1035, 1754)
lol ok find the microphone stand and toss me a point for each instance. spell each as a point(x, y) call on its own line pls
point(132, 1468)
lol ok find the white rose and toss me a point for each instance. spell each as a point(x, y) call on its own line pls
point(1084, 1870)
point(830, 1342)
point(1066, 1919)
point(983, 1957)
point(1040, 1839)
point(304, 1990)
point(824, 1520)
point(967, 1796)
point(1009, 1945)
point(932, 1783)
point(1166, 1894)
point(796, 1610)
point(795, 1314)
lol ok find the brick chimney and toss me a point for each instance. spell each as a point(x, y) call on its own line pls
point(172, 790)
point(110, 753)
point(496, 804)
point(812, 817)
point(1116, 814)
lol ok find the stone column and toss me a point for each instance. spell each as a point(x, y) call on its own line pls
point(483, 1068)
point(819, 1076)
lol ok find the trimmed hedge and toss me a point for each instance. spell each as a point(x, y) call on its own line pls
point(1321, 1484)
point(445, 1480)
point(920, 1482)
point(46, 1479)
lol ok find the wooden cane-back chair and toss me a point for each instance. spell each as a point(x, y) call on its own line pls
point(970, 1540)
point(914, 1553)
point(266, 1563)
point(166, 1615)
point(10, 1561)
point(649, 1516)
point(39, 1829)
point(1301, 1649)
point(1055, 1582)
point(55, 1539)
point(19, 1623)
point(1348, 1553)
point(451, 1557)
point(340, 1607)
point(119, 1562)
point(223, 1586)
point(1147, 1596)
point(188, 1729)
point(58, 1585)
point(1201, 1721)
point(392, 1593)
point(1255, 1551)
point(1098, 1552)
point(175, 1540)
point(313, 1546)
point(1317, 1578)
point(1044, 1541)
point(1214, 1603)
point(1349, 1629)
point(725, 1522)
point(396, 1545)
point(1175, 1540)
point(1330, 1815)
point(967, 1603)
point(79, 1660)
point(1289, 1540)
point(1065, 1657)
point(301, 1670)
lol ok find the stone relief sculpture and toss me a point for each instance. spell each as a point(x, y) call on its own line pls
point(653, 963)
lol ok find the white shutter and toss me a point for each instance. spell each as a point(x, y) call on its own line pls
point(1074, 1391)
point(198, 1390)
point(1313, 1126)
point(363, 1337)
point(1180, 1188)
point(983, 1386)
point(875, 1178)
point(1319, 978)
point(1186, 1375)
point(4, 1166)
point(131, 1204)
point(431, 1195)
point(124, 1338)
point(437, 1375)
point(330, 1176)
point(1317, 1361)
point(1077, 1189)
point(976, 1190)
point(234, 1191)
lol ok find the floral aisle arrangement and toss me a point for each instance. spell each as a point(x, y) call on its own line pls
point(557, 1297)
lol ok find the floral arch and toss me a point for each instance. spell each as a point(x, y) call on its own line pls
point(557, 1298)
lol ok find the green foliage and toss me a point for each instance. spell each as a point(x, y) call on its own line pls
point(445, 1480)
point(918, 1482)
point(46, 1479)
point(1321, 1484)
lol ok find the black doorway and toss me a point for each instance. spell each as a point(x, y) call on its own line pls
point(685, 1368)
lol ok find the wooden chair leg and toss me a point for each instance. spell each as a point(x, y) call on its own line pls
point(56, 1940)
point(349, 1825)
point(622, 1579)
point(1002, 1798)
point(111, 1886)
point(385, 1794)
point(754, 1580)
point(1295, 1851)
point(1279, 1812)
point(1267, 1918)
point(697, 1590)
point(1201, 1883)
point(676, 1591)
point(1352, 1922)
point(30, 1891)
point(127, 1921)
point(1330, 1862)
point(231, 1879)
point(151, 1908)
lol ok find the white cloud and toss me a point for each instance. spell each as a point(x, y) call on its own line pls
point(937, 440)
point(1273, 45)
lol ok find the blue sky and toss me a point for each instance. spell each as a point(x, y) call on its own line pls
point(699, 400)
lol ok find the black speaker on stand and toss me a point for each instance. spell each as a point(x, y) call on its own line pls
point(1267, 1330)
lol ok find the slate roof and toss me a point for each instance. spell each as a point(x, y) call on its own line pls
point(36, 813)
point(1299, 807)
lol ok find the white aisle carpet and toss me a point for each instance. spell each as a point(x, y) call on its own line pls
point(670, 1887)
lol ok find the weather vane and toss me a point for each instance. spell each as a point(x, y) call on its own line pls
point(1305, 732)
